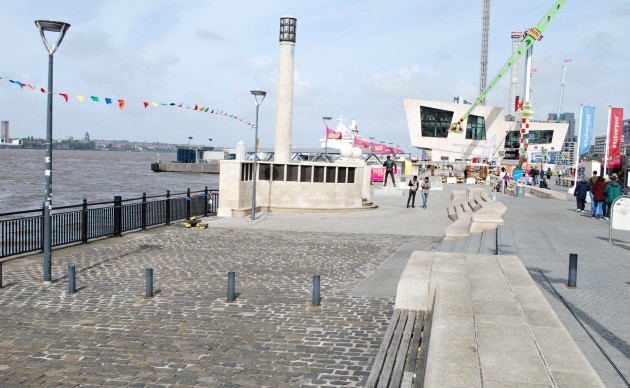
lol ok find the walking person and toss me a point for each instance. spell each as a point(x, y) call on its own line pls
point(426, 186)
point(548, 173)
point(599, 198)
point(612, 191)
point(413, 188)
point(389, 165)
point(591, 182)
point(581, 189)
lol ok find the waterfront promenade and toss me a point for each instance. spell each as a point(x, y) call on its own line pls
point(109, 334)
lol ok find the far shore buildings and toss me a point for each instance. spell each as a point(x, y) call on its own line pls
point(487, 134)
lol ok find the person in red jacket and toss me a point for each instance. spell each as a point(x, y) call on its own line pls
point(597, 189)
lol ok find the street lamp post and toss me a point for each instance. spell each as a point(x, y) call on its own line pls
point(258, 96)
point(59, 28)
point(326, 121)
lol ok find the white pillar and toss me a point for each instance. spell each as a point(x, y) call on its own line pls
point(284, 109)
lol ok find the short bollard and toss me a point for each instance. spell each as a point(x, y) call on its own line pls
point(71, 279)
point(573, 257)
point(231, 295)
point(149, 276)
point(316, 294)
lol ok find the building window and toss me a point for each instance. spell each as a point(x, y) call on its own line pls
point(331, 173)
point(435, 122)
point(351, 172)
point(305, 173)
point(513, 139)
point(318, 174)
point(264, 172)
point(341, 177)
point(292, 173)
point(278, 172)
point(476, 128)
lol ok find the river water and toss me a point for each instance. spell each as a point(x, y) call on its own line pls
point(95, 175)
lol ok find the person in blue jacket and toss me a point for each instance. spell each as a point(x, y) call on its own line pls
point(581, 189)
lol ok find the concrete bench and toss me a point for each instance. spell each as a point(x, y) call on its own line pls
point(489, 217)
point(395, 361)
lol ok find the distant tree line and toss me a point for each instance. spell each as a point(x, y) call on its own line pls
point(67, 144)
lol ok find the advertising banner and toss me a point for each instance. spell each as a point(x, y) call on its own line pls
point(586, 132)
point(616, 128)
point(364, 144)
point(332, 134)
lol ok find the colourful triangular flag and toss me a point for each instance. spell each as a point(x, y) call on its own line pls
point(80, 97)
point(121, 104)
point(64, 95)
point(145, 104)
point(108, 100)
point(94, 98)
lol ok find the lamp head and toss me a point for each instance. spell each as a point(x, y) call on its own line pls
point(288, 25)
point(55, 27)
point(258, 96)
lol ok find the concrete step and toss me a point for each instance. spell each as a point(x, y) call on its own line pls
point(473, 245)
point(506, 245)
point(489, 242)
point(460, 244)
point(446, 245)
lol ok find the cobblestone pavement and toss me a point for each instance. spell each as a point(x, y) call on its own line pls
point(109, 334)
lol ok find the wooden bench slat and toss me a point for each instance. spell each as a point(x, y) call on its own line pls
point(403, 350)
point(392, 352)
point(382, 351)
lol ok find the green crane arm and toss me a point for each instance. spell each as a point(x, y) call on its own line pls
point(532, 35)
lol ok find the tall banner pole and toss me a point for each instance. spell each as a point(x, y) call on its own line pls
point(607, 141)
point(576, 162)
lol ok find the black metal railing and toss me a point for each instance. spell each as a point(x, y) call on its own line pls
point(23, 231)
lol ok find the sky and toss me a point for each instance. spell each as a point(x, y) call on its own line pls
point(362, 58)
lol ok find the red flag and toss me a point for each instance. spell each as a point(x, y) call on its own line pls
point(196, 107)
point(64, 95)
point(616, 127)
point(331, 134)
point(121, 104)
point(43, 90)
point(145, 104)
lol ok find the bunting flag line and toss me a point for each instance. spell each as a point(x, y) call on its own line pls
point(122, 103)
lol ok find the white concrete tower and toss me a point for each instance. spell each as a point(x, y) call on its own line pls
point(284, 109)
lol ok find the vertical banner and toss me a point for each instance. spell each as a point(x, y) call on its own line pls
point(586, 131)
point(616, 127)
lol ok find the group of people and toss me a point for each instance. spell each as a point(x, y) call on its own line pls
point(602, 194)
point(414, 186)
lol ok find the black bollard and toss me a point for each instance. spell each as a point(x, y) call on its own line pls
point(149, 276)
point(573, 257)
point(231, 296)
point(71, 279)
point(316, 294)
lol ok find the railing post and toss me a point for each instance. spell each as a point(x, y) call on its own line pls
point(71, 279)
point(144, 211)
point(1, 275)
point(117, 216)
point(168, 207)
point(188, 204)
point(42, 228)
point(84, 222)
point(205, 202)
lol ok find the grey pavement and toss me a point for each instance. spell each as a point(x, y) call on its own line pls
point(109, 334)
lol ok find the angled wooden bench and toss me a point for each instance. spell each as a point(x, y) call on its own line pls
point(395, 361)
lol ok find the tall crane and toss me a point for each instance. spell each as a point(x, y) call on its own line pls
point(532, 35)
point(485, 31)
point(516, 39)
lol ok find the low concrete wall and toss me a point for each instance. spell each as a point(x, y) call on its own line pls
point(203, 168)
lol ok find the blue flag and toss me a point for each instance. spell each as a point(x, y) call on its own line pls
point(586, 132)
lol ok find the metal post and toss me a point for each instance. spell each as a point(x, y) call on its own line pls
point(149, 281)
point(205, 202)
point(84, 221)
point(254, 167)
point(316, 293)
point(1, 275)
point(573, 258)
point(188, 204)
point(48, 178)
point(117, 216)
point(168, 207)
point(71, 279)
point(144, 211)
point(231, 296)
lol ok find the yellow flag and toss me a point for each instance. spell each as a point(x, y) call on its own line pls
point(80, 97)
point(154, 104)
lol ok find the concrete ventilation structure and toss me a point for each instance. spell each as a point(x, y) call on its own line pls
point(4, 132)
point(284, 109)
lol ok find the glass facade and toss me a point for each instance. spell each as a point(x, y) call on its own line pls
point(476, 128)
point(435, 122)
point(513, 138)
